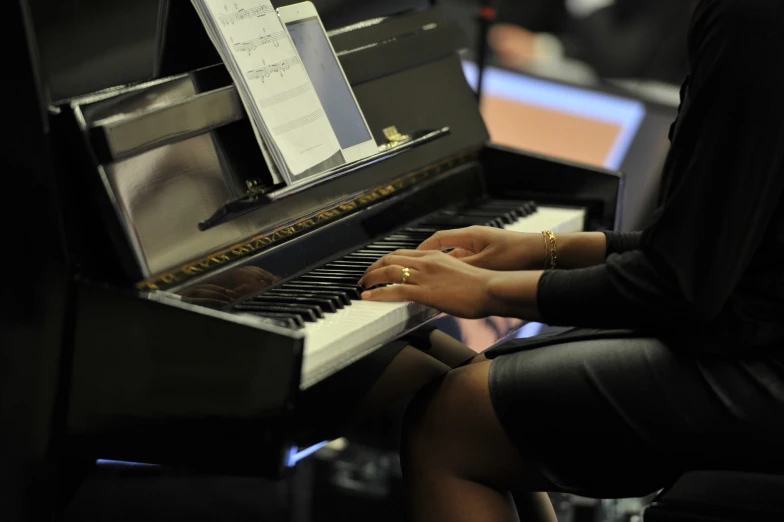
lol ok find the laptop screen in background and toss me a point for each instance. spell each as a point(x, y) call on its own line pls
point(559, 120)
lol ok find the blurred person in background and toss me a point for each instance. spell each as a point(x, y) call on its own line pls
point(630, 39)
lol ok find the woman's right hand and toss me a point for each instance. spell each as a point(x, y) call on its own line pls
point(491, 248)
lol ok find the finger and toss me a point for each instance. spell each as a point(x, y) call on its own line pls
point(392, 274)
point(460, 253)
point(469, 259)
point(393, 293)
point(399, 257)
point(459, 238)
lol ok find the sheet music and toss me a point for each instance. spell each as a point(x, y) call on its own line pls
point(282, 99)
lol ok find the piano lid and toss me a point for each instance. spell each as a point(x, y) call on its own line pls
point(89, 45)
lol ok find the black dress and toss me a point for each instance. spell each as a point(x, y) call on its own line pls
point(694, 375)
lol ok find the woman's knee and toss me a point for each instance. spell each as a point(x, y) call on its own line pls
point(438, 417)
point(451, 427)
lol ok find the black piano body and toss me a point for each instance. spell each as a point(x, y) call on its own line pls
point(160, 191)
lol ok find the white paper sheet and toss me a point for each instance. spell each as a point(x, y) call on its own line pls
point(282, 97)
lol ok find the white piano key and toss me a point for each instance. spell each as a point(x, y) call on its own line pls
point(556, 219)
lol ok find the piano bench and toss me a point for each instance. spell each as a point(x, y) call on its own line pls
point(720, 496)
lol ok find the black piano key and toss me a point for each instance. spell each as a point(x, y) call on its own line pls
point(336, 272)
point(337, 295)
point(290, 305)
point(377, 254)
point(402, 235)
point(384, 249)
point(521, 208)
point(505, 217)
point(359, 265)
point(292, 320)
point(353, 290)
point(327, 279)
point(418, 240)
point(363, 257)
point(424, 230)
point(352, 268)
point(307, 314)
point(339, 299)
point(323, 304)
point(387, 243)
point(448, 222)
point(363, 254)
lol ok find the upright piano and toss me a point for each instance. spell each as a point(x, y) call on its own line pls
point(202, 301)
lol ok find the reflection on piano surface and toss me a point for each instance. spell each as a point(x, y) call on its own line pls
point(194, 347)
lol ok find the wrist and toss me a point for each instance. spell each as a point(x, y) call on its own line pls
point(513, 294)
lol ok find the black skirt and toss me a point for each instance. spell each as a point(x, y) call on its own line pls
point(612, 414)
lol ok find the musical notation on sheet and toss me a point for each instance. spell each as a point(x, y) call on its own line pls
point(284, 108)
point(275, 68)
point(285, 96)
point(252, 45)
point(232, 18)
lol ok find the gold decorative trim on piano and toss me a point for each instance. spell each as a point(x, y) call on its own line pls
point(261, 242)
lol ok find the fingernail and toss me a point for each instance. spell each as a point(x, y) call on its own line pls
point(360, 282)
point(366, 295)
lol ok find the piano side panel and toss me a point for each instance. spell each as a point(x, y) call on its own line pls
point(515, 174)
point(170, 383)
point(35, 304)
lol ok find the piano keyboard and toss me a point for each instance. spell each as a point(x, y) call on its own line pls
point(325, 303)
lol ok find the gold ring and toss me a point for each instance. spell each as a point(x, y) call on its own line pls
point(406, 274)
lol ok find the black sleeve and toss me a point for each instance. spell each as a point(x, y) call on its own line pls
point(722, 183)
point(618, 242)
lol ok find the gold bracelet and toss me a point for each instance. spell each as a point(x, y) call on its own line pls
point(544, 236)
point(552, 251)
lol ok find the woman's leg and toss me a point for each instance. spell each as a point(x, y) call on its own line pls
point(459, 463)
point(599, 417)
point(412, 369)
point(408, 372)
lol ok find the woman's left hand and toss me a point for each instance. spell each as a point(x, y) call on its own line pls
point(436, 279)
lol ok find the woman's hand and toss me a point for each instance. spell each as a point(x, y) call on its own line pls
point(490, 248)
point(436, 279)
point(452, 286)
